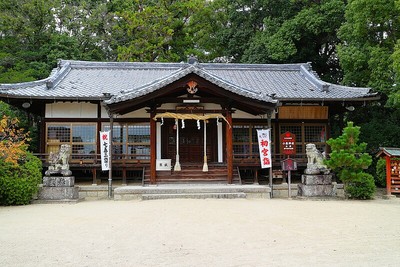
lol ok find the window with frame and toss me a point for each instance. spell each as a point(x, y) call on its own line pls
point(305, 134)
point(130, 140)
point(245, 140)
point(81, 136)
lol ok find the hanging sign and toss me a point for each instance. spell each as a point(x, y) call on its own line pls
point(264, 146)
point(288, 143)
point(105, 150)
point(289, 165)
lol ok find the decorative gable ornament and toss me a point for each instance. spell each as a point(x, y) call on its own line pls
point(192, 87)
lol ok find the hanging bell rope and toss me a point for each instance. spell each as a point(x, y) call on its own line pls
point(190, 116)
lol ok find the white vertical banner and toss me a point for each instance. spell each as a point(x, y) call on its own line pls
point(105, 150)
point(264, 146)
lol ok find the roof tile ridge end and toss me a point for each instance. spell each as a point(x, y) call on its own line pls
point(56, 78)
point(307, 72)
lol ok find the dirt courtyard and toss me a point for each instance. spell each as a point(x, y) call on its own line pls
point(211, 232)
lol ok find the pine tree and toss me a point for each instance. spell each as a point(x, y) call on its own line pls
point(349, 160)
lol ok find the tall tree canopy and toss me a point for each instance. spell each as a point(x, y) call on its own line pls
point(279, 31)
point(368, 53)
point(156, 30)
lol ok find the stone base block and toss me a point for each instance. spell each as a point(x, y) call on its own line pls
point(58, 193)
point(317, 190)
point(316, 179)
point(58, 181)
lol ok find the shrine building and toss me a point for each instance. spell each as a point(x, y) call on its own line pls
point(181, 122)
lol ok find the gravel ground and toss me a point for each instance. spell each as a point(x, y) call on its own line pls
point(211, 232)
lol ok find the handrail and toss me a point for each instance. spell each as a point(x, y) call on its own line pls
point(131, 159)
point(96, 158)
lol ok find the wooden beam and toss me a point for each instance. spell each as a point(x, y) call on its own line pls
point(183, 111)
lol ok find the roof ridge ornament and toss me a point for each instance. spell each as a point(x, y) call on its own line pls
point(192, 60)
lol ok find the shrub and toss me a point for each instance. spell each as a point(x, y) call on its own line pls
point(18, 183)
point(20, 171)
point(380, 178)
point(349, 160)
point(361, 188)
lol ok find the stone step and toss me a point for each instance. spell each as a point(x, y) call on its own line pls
point(217, 175)
point(193, 196)
point(195, 191)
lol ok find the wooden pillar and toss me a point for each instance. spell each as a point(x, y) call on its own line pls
point(94, 176)
point(229, 146)
point(269, 117)
point(153, 145)
point(111, 155)
point(388, 176)
point(205, 166)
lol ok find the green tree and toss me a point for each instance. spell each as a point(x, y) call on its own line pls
point(25, 26)
point(282, 31)
point(156, 30)
point(349, 160)
point(368, 49)
point(309, 36)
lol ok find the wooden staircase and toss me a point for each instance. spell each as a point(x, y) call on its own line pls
point(193, 174)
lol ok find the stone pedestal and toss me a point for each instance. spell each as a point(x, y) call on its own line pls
point(58, 188)
point(317, 185)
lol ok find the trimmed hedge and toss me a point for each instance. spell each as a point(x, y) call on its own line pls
point(18, 183)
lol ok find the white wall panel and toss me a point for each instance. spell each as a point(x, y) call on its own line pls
point(71, 110)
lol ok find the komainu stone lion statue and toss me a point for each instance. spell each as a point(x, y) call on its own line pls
point(59, 161)
point(315, 161)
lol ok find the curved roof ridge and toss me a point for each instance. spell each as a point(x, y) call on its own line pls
point(314, 80)
point(122, 65)
point(248, 66)
point(10, 86)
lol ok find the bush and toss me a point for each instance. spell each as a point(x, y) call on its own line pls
point(380, 178)
point(18, 183)
point(361, 188)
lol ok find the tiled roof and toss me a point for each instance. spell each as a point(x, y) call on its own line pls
point(389, 151)
point(85, 80)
